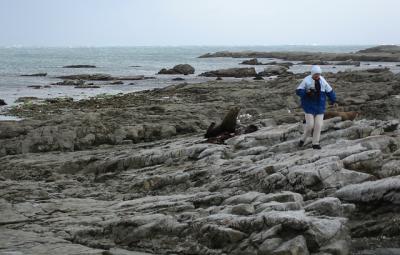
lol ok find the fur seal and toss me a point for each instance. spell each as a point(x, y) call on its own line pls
point(343, 115)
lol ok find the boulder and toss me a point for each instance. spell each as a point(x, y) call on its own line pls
point(384, 190)
point(252, 61)
point(330, 206)
point(269, 245)
point(184, 69)
point(231, 72)
point(2, 102)
point(274, 70)
point(391, 168)
point(258, 78)
point(295, 246)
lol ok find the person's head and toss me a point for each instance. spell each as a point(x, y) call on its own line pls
point(316, 72)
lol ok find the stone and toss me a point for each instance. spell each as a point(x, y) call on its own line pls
point(366, 161)
point(184, 69)
point(384, 190)
point(339, 247)
point(391, 168)
point(269, 245)
point(231, 72)
point(252, 61)
point(27, 242)
point(329, 206)
point(242, 209)
point(295, 246)
point(274, 70)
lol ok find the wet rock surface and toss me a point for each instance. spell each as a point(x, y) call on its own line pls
point(131, 174)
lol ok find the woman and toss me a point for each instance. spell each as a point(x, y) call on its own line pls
point(313, 91)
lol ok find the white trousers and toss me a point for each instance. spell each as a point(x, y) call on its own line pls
point(313, 122)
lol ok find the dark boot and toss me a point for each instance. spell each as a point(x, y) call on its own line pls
point(316, 147)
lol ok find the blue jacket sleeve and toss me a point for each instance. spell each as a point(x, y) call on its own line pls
point(301, 92)
point(301, 89)
point(332, 96)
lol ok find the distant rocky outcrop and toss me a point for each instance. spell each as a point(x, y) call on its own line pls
point(231, 72)
point(348, 62)
point(92, 77)
point(184, 69)
point(35, 74)
point(274, 70)
point(178, 79)
point(26, 99)
point(380, 53)
point(287, 64)
point(87, 86)
point(252, 61)
point(100, 77)
point(382, 49)
point(80, 66)
point(70, 83)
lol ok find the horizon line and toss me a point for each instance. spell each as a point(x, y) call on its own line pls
point(192, 45)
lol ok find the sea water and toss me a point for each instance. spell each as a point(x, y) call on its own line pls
point(118, 61)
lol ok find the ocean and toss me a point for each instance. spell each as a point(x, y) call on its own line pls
point(118, 61)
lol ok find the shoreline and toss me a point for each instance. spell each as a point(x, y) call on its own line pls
point(133, 172)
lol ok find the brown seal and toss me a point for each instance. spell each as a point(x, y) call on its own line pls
point(343, 115)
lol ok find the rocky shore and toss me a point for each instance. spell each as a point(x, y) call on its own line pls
point(132, 173)
point(385, 53)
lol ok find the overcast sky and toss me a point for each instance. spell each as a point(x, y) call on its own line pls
point(198, 22)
